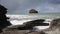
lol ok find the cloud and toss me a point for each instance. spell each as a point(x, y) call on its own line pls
point(55, 1)
point(23, 6)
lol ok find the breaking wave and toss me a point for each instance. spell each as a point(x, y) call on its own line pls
point(20, 19)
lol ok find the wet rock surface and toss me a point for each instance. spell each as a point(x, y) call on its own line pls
point(55, 23)
point(54, 27)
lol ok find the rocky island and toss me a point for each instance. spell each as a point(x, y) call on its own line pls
point(33, 11)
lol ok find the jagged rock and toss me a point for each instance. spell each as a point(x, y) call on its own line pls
point(3, 10)
point(54, 27)
point(33, 11)
point(55, 23)
point(3, 19)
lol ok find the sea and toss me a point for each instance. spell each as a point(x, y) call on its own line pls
point(19, 19)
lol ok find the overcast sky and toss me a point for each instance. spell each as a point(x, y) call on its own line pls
point(23, 6)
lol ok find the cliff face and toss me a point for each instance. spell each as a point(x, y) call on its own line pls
point(3, 19)
point(33, 11)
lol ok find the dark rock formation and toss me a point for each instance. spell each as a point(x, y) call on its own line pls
point(38, 22)
point(3, 19)
point(33, 11)
point(55, 23)
point(29, 25)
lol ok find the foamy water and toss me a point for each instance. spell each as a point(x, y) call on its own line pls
point(18, 22)
point(39, 28)
point(20, 19)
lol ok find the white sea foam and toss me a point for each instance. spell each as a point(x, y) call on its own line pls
point(20, 19)
point(27, 16)
point(39, 28)
point(21, 16)
point(17, 22)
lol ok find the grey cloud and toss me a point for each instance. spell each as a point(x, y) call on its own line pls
point(55, 1)
point(23, 6)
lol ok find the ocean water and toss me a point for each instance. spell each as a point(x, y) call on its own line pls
point(19, 19)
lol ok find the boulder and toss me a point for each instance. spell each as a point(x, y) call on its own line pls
point(3, 19)
point(33, 11)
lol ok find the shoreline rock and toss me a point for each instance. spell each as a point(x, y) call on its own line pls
point(54, 27)
point(3, 19)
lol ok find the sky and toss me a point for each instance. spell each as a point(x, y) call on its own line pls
point(23, 6)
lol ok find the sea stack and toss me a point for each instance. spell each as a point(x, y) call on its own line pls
point(3, 19)
point(33, 11)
